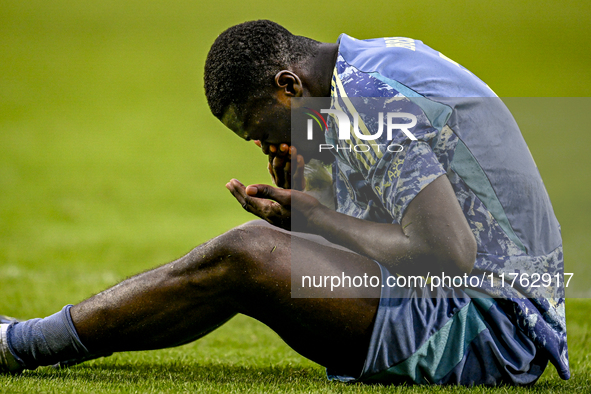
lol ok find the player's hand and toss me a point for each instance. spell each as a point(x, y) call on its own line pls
point(276, 206)
point(285, 166)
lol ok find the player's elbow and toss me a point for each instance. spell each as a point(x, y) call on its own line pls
point(457, 254)
point(442, 253)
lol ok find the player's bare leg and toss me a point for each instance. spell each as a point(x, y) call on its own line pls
point(247, 270)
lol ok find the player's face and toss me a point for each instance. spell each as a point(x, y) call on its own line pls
point(269, 121)
point(266, 120)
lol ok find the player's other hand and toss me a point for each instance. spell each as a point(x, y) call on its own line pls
point(276, 206)
point(285, 166)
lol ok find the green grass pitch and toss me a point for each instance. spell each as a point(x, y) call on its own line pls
point(110, 162)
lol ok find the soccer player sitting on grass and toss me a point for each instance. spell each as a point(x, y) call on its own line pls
point(462, 197)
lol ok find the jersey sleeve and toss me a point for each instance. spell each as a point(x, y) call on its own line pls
point(400, 179)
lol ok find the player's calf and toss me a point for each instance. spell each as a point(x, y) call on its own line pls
point(170, 305)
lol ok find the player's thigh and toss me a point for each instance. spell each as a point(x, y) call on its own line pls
point(311, 237)
point(303, 265)
point(330, 325)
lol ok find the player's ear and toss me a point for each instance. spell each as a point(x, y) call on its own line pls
point(290, 83)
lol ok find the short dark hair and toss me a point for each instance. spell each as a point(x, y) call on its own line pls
point(245, 58)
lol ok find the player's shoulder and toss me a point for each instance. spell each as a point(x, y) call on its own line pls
point(410, 62)
point(382, 49)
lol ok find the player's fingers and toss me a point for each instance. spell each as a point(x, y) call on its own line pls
point(300, 162)
point(235, 187)
point(278, 170)
point(282, 196)
point(238, 191)
point(265, 148)
point(299, 180)
point(258, 205)
point(271, 157)
point(287, 174)
point(278, 162)
point(270, 169)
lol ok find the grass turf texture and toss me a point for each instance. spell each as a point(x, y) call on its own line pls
point(111, 164)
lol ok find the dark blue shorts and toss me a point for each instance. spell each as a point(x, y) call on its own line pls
point(446, 336)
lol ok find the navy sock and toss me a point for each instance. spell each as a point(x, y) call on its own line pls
point(47, 341)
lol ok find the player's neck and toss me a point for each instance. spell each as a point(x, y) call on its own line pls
point(316, 71)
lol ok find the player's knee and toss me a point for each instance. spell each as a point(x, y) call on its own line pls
point(252, 244)
point(241, 253)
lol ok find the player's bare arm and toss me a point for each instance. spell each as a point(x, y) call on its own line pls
point(433, 236)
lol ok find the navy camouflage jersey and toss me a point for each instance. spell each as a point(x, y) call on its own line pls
point(466, 133)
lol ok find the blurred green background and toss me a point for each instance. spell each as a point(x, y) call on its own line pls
point(110, 162)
